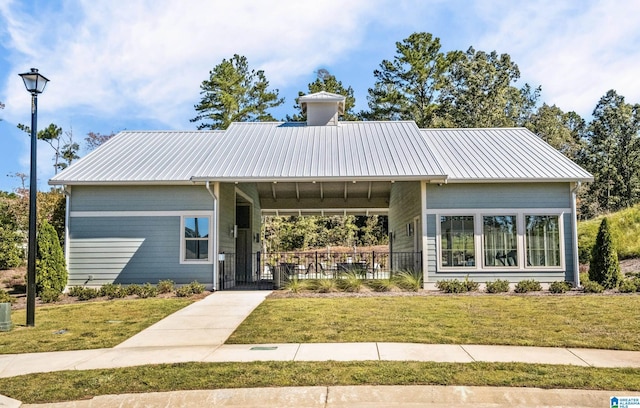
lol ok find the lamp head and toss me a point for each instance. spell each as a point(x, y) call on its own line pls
point(34, 81)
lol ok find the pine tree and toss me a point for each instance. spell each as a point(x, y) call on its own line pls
point(51, 271)
point(604, 267)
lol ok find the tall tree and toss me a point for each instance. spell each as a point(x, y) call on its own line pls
point(94, 139)
point(234, 93)
point(328, 83)
point(613, 155)
point(478, 92)
point(561, 130)
point(406, 88)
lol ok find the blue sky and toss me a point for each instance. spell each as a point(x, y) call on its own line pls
point(138, 64)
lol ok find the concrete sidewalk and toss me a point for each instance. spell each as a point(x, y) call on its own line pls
point(197, 334)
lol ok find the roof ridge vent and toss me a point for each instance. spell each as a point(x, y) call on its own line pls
point(322, 108)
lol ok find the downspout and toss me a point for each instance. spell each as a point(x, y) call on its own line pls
point(574, 233)
point(214, 267)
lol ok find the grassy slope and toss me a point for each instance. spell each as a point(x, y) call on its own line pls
point(625, 229)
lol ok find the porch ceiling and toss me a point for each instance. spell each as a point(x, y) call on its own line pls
point(324, 198)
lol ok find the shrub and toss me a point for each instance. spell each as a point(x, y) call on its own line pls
point(325, 285)
point(408, 280)
point(51, 271)
point(295, 285)
point(456, 286)
point(497, 286)
point(49, 295)
point(193, 288)
point(628, 286)
point(132, 289)
point(87, 294)
point(559, 287)
point(351, 282)
point(604, 267)
point(147, 290)
point(592, 287)
point(113, 291)
point(5, 297)
point(166, 286)
point(382, 285)
point(75, 291)
point(528, 285)
point(10, 252)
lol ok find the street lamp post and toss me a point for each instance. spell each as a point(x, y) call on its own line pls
point(35, 84)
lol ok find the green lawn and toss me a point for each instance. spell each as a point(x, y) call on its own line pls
point(84, 326)
point(591, 321)
point(74, 385)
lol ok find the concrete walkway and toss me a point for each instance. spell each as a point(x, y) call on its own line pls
point(197, 334)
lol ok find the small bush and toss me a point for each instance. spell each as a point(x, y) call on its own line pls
point(113, 291)
point(351, 282)
point(559, 287)
point(166, 286)
point(497, 286)
point(456, 286)
point(147, 290)
point(132, 290)
point(408, 280)
point(628, 286)
point(51, 271)
point(87, 293)
point(10, 252)
point(528, 285)
point(382, 285)
point(295, 285)
point(193, 288)
point(592, 287)
point(5, 297)
point(49, 295)
point(325, 285)
point(75, 291)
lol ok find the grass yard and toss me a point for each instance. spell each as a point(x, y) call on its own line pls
point(84, 326)
point(75, 385)
point(590, 321)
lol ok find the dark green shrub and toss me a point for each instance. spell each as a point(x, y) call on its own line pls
point(166, 286)
point(196, 287)
point(497, 286)
point(10, 253)
point(75, 291)
point(451, 286)
point(51, 271)
point(87, 293)
point(133, 290)
point(113, 291)
point(193, 288)
point(604, 267)
point(528, 285)
point(147, 290)
point(5, 297)
point(628, 286)
point(592, 287)
point(559, 287)
point(49, 295)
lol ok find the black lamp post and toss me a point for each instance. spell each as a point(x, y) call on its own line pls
point(35, 84)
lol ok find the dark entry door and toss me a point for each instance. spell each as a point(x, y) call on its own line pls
point(243, 244)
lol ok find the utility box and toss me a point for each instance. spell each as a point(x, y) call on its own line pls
point(5, 317)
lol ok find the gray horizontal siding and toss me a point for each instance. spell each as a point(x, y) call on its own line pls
point(140, 198)
point(404, 206)
point(129, 250)
point(517, 195)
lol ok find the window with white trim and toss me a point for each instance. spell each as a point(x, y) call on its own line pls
point(457, 241)
point(500, 240)
point(542, 240)
point(196, 238)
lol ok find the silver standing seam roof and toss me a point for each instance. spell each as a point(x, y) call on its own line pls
point(256, 151)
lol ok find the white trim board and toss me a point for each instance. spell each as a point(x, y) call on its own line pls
point(96, 214)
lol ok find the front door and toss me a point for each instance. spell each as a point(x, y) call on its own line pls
point(243, 244)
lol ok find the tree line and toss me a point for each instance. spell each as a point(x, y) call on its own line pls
point(464, 89)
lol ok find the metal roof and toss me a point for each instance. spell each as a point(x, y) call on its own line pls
point(143, 156)
point(294, 151)
point(350, 151)
point(500, 154)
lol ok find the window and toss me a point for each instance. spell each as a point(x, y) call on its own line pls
point(195, 246)
point(500, 240)
point(457, 241)
point(542, 238)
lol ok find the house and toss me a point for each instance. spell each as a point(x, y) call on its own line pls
point(187, 205)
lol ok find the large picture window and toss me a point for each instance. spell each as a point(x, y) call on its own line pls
point(500, 234)
point(457, 241)
point(542, 240)
point(195, 236)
